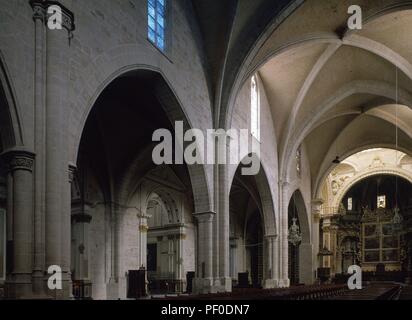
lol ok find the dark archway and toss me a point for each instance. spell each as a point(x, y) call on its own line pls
point(255, 249)
point(300, 253)
point(293, 250)
point(115, 156)
point(247, 230)
point(10, 136)
point(365, 193)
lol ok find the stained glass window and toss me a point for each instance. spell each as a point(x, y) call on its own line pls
point(156, 15)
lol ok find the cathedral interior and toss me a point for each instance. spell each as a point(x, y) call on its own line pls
point(324, 90)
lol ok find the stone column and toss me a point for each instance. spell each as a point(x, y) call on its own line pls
point(143, 228)
point(204, 273)
point(179, 260)
point(19, 282)
point(57, 136)
point(333, 248)
point(326, 242)
point(272, 273)
point(233, 258)
point(316, 212)
point(9, 222)
point(67, 235)
point(39, 17)
point(283, 242)
point(306, 272)
point(81, 219)
point(224, 232)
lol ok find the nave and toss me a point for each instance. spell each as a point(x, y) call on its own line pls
point(321, 109)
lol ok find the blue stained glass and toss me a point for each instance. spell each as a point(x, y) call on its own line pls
point(160, 21)
point(156, 22)
point(160, 43)
point(160, 9)
point(152, 23)
point(152, 11)
point(152, 35)
point(160, 31)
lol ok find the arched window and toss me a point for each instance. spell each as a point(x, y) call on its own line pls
point(156, 15)
point(255, 108)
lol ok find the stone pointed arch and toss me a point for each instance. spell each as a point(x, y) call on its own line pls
point(172, 107)
point(167, 201)
point(303, 215)
point(392, 170)
point(264, 198)
point(11, 131)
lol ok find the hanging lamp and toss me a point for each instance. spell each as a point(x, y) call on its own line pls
point(294, 234)
point(337, 160)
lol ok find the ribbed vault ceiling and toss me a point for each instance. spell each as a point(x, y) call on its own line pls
point(334, 90)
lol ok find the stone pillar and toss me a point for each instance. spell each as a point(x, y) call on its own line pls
point(180, 277)
point(283, 242)
point(19, 282)
point(9, 222)
point(204, 273)
point(306, 272)
point(81, 219)
point(334, 249)
point(39, 17)
point(57, 137)
point(143, 228)
point(67, 235)
point(316, 212)
point(272, 272)
point(233, 254)
point(113, 290)
point(225, 284)
point(326, 242)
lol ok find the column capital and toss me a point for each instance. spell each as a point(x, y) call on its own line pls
point(18, 159)
point(316, 208)
point(204, 216)
point(40, 8)
point(39, 12)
